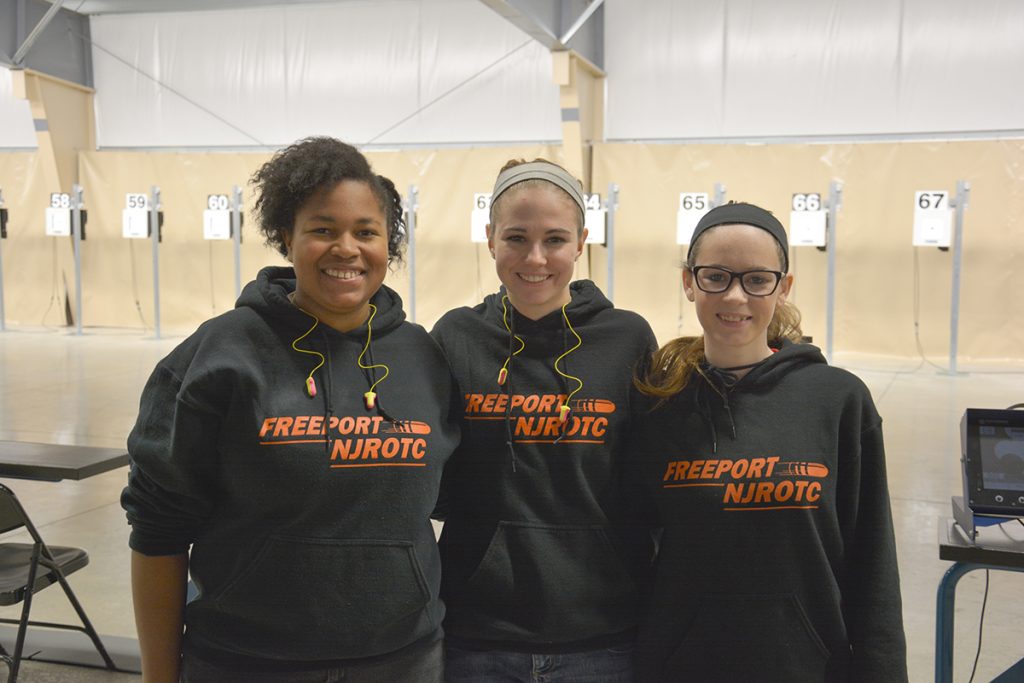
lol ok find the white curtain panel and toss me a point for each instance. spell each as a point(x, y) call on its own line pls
point(16, 128)
point(359, 70)
point(682, 69)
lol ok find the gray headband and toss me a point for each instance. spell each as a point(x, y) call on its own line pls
point(539, 170)
point(747, 214)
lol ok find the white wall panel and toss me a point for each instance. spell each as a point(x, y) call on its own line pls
point(743, 68)
point(353, 69)
point(16, 129)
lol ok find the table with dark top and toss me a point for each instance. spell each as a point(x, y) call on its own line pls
point(54, 462)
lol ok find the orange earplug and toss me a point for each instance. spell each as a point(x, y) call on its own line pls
point(370, 399)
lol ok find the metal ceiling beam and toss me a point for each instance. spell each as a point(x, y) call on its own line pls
point(19, 56)
point(554, 23)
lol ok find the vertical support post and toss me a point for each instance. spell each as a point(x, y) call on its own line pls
point(719, 197)
point(411, 204)
point(154, 238)
point(835, 200)
point(611, 203)
point(76, 231)
point(3, 316)
point(236, 235)
point(963, 193)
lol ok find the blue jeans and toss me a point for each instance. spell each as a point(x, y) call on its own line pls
point(422, 664)
point(607, 665)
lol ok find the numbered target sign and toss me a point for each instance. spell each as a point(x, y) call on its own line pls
point(480, 217)
point(692, 207)
point(58, 215)
point(933, 219)
point(807, 220)
point(217, 218)
point(595, 219)
point(135, 216)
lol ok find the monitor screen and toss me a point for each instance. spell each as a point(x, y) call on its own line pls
point(1002, 456)
point(993, 460)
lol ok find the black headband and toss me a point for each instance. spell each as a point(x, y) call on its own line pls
point(747, 214)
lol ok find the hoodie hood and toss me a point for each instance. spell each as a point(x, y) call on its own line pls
point(715, 389)
point(586, 302)
point(268, 295)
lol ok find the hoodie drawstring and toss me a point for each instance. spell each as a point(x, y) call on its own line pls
point(564, 409)
point(370, 399)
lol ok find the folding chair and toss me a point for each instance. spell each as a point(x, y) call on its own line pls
point(26, 569)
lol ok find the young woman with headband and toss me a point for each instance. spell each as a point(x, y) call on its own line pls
point(539, 557)
point(777, 561)
point(288, 456)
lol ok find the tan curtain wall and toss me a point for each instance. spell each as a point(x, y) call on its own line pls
point(875, 273)
point(875, 279)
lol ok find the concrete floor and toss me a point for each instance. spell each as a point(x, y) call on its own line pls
point(57, 387)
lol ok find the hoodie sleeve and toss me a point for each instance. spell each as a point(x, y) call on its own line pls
point(871, 589)
point(173, 453)
point(441, 508)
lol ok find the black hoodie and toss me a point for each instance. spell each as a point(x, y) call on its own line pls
point(306, 544)
point(778, 561)
point(537, 553)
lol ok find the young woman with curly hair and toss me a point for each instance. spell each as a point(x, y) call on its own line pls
point(288, 455)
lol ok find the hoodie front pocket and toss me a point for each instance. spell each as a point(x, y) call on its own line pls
point(325, 598)
point(540, 582)
point(749, 638)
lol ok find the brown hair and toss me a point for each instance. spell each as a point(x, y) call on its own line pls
point(672, 366)
point(534, 182)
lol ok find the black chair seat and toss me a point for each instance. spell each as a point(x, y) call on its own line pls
point(26, 569)
point(16, 559)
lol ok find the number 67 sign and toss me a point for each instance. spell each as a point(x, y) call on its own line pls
point(933, 219)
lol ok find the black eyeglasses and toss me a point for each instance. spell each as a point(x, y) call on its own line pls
point(715, 280)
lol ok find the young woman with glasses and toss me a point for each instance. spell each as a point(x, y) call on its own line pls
point(766, 469)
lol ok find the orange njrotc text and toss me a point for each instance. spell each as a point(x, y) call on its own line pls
point(536, 418)
point(361, 441)
point(752, 483)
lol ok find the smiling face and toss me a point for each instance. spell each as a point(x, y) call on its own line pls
point(339, 247)
point(736, 323)
point(535, 240)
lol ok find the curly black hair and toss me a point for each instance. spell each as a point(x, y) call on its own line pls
point(297, 172)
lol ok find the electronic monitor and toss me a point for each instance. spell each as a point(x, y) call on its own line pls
point(992, 442)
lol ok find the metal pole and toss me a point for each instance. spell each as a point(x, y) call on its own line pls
point(411, 204)
point(719, 198)
point(611, 204)
point(3, 317)
point(76, 230)
point(154, 238)
point(236, 235)
point(963, 193)
point(835, 200)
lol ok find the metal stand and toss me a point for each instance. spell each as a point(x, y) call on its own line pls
point(611, 203)
point(3, 316)
point(966, 558)
point(835, 200)
point(719, 195)
point(76, 232)
point(236, 235)
point(411, 205)
point(963, 193)
point(154, 238)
